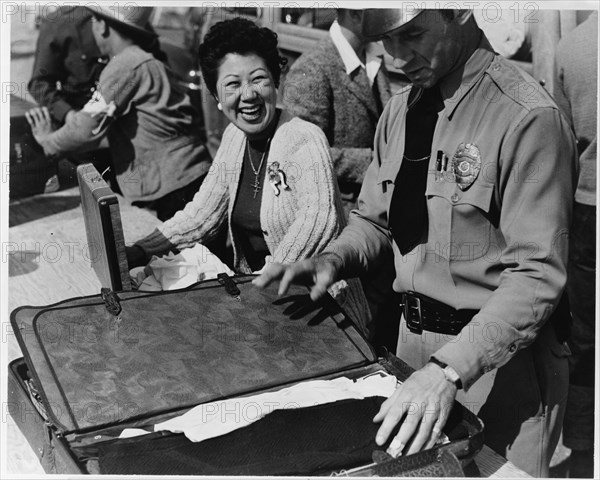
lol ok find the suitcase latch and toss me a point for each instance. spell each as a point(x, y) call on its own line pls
point(230, 286)
point(111, 301)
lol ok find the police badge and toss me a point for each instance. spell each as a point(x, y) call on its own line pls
point(466, 164)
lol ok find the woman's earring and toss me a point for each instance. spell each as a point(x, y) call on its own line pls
point(219, 106)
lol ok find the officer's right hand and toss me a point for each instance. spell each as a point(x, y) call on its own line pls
point(319, 273)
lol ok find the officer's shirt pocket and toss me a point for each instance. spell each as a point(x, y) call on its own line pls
point(459, 221)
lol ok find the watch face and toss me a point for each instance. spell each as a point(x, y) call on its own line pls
point(451, 374)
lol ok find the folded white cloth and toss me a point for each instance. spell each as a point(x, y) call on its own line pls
point(171, 271)
point(218, 418)
point(133, 432)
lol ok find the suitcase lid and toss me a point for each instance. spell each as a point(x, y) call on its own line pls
point(103, 229)
point(166, 351)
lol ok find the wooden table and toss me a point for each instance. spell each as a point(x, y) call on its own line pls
point(49, 261)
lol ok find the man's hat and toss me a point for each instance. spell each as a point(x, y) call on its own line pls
point(377, 22)
point(131, 17)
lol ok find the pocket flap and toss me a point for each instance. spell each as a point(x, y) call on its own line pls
point(478, 195)
point(443, 188)
point(388, 171)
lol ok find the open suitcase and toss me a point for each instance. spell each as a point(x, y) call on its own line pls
point(96, 365)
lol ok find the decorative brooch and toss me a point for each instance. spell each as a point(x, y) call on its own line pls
point(277, 178)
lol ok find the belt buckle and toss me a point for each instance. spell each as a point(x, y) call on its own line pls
point(412, 313)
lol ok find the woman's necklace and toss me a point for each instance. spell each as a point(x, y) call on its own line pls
point(256, 171)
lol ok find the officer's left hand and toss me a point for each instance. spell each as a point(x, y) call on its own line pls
point(41, 123)
point(422, 403)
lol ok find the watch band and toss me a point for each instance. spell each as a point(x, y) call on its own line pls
point(449, 372)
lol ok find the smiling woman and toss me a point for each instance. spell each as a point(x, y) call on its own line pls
point(272, 180)
point(247, 93)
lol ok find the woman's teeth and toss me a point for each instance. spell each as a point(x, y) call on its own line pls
point(251, 113)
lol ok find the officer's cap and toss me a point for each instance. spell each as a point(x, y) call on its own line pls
point(377, 22)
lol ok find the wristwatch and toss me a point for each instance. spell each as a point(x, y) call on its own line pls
point(449, 372)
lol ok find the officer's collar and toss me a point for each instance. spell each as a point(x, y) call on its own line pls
point(458, 83)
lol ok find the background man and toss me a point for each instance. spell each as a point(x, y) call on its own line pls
point(67, 62)
point(342, 86)
point(474, 210)
point(577, 94)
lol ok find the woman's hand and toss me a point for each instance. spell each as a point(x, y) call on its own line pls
point(40, 122)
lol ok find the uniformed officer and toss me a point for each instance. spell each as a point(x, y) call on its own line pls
point(66, 68)
point(67, 62)
point(470, 195)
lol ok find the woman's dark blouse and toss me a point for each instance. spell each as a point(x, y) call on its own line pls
point(245, 218)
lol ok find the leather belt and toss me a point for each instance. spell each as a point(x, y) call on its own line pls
point(425, 313)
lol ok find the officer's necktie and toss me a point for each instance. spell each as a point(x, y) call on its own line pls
point(408, 209)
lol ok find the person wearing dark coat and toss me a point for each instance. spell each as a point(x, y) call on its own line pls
point(342, 86)
point(67, 63)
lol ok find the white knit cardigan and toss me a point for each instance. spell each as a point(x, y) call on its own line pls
point(296, 224)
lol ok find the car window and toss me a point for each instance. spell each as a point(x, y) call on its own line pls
point(320, 18)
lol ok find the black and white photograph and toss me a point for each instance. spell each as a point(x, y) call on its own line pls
point(299, 239)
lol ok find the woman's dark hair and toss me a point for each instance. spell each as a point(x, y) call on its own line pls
point(239, 36)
